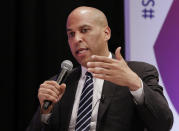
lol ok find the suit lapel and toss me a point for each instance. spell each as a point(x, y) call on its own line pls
point(69, 97)
point(108, 92)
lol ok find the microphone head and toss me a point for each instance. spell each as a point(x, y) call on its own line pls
point(67, 64)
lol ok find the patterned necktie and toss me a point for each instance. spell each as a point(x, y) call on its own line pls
point(85, 105)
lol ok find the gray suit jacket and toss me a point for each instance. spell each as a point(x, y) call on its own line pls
point(118, 111)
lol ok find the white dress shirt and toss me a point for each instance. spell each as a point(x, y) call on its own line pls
point(97, 91)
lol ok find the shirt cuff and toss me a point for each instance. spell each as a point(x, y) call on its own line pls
point(138, 95)
point(45, 118)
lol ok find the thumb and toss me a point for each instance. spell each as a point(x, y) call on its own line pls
point(63, 87)
point(118, 53)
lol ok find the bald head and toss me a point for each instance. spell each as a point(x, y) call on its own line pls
point(91, 13)
point(88, 33)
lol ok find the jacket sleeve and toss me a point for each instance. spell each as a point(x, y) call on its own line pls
point(154, 112)
point(36, 124)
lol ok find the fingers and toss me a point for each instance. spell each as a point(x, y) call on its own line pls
point(118, 53)
point(102, 76)
point(102, 62)
point(106, 68)
point(50, 90)
point(104, 59)
point(44, 96)
point(63, 87)
point(99, 70)
point(53, 83)
point(98, 64)
point(102, 65)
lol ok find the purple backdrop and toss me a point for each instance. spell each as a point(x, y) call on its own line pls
point(167, 53)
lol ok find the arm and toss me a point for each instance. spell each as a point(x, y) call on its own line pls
point(49, 90)
point(35, 124)
point(154, 111)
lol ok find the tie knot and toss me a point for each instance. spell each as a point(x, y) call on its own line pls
point(89, 74)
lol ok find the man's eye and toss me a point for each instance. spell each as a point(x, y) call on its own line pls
point(84, 30)
point(71, 34)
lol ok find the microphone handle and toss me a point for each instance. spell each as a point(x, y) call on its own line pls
point(46, 104)
point(61, 75)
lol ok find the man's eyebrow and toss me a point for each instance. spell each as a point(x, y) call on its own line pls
point(83, 26)
point(68, 30)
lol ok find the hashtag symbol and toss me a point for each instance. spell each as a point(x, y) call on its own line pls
point(148, 13)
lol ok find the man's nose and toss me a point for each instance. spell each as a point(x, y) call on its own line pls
point(78, 37)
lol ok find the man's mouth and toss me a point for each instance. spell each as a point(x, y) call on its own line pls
point(81, 51)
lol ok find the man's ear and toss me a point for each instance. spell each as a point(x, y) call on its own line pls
point(107, 32)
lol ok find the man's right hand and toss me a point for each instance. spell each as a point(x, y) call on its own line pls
point(52, 91)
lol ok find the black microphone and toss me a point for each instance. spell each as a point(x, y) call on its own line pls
point(102, 99)
point(65, 67)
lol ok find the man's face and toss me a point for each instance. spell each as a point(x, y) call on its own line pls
point(85, 37)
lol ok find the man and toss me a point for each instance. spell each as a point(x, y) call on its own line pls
point(125, 96)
